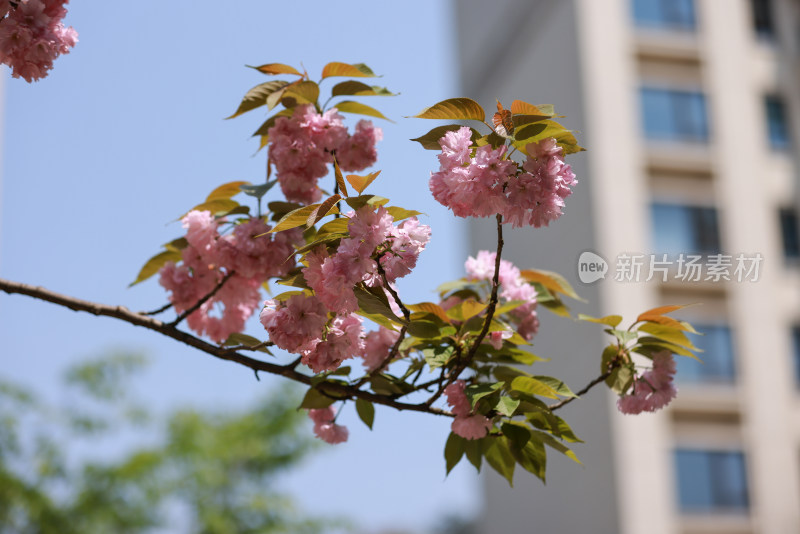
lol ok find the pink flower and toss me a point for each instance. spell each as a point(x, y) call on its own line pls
point(253, 253)
point(536, 197)
point(358, 151)
point(377, 345)
point(325, 427)
point(653, 389)
point(295, 324)
point(457, 399)
point(341, 342)
point(472, 426)
point(32, 37)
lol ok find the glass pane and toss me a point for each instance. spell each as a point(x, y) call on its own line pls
point(705, 230)
point(789, 232)
point(718, 359)
point(681, 229)
point(796, 343)
point(762, 18)
point(674, 115)
point(672, 14)
point(711, 481)
point(777, 126)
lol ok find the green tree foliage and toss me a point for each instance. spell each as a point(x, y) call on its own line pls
point(210, 473)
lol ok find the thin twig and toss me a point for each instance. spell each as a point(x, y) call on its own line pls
point(202, 301)
point(585, 390)
point(341, 391)
point(162, 309)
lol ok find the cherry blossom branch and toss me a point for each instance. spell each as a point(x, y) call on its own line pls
point(202, 301)
point(585, 390)
point(338, 390)
point(463, 364)
point(163, 308)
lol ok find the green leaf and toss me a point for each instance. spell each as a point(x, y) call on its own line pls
point(177, 245)
point(533, 386)
point(357, 108)
point(552, 442)
point(516, 433)
point(238, 338)
point(647, 345)
point(508, 374)
point(608, 320)
point(552, 423)
point(154, 264)
point(623, 336)
point(474, 450)
point(356, 70)
point(465, 310)
point(498, 454)
point(620, 379)
point(453, 109)
point(360, 183)
point(476, 392)
point(355, 88)
point(327, 206)
point(257, 96)
point(370, 303)
point(507, 406)
point(364, 200)
point(669, 334)
point(366, 411)
point(424, 329)
point(431, 308)
point(295, 218)
point(437, 356)
point(532, 457)
point(554, 282)
point(398, 214)
point(304, 92)
point(276, 68)
point(226, 191)
point(559, 386)
point(314, 399)
point(430, 141)
point(336, 226)
point(454, 449)
point(258, 191)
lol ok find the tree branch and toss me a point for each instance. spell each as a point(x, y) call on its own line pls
point(585, 390)
point(340, 391)
point(202, 301)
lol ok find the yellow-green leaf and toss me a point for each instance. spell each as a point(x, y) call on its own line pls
point(355, 88)
point(430, 307)
point(263, 130)
point(453, 109)
point(294, 218)
point(326, 207)
point(257, 96)
point(350, 106)
point(360, 183)
point(356, 70)
point(552, 281)
point(217, 206)
point(226, 191)
point(532, 386)
point(466, 310)
point(276, 68)
point(518, 107)
point(154, 264)
point(668, 333)
point(340, 179)
point(430, 141)
point(609, 320)
point(305, 92)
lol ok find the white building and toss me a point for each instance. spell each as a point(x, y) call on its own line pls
point(690, 110)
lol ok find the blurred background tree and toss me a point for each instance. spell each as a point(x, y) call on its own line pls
point(209, 473)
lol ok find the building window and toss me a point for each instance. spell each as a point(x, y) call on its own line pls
point(674, 115)
point(763, 23)
point(711, 481)
point(790, 233)
point(666, 14)
point(718, 360)
point(796, 347)
point(777, 122)
point(680, 229)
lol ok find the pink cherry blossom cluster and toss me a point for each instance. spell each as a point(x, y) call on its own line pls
point(301, 325)
point(322, 327)
point(513, 287)
point(653, 389)
point(466, 424)
point(373, 239)
point(487, 183)
point(246, 254)
point(325, 427)
point(301, 147)
point(32, 36)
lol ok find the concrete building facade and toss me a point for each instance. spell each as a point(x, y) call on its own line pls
point(690, 110)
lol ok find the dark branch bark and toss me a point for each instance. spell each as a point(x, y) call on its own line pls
point(339, 391)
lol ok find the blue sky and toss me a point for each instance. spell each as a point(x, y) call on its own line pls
point(127, 133)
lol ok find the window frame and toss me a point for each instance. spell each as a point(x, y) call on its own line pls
point(687, 129)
